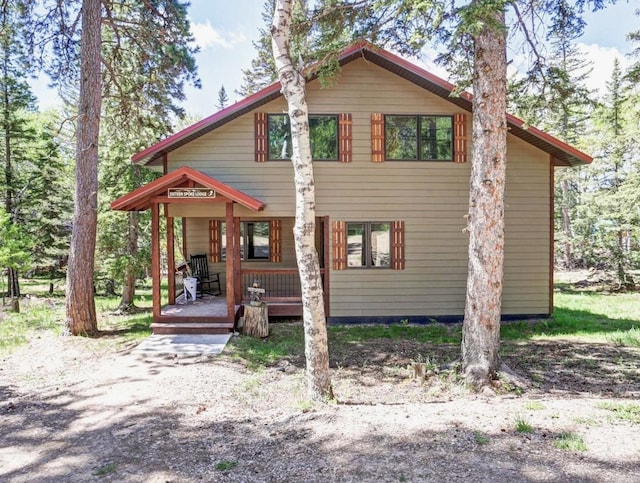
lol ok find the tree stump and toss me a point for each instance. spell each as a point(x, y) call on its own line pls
point(256, 320)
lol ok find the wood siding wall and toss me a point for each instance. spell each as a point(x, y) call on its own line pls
point(430, 197)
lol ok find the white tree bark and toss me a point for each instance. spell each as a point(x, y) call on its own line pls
point(481, 330)
point(293, 88)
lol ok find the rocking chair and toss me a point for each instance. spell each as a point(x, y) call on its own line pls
point(209, 284)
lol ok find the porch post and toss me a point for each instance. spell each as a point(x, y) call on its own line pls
point(171, 263)
point(155, 260)
point(237, 275)
point(230, 265)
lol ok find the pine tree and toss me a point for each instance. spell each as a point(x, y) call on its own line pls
point(48, 201)
point(555, 98)
point(15, 102)
point(609, 214)
point(263, 70)
point(144, 47)
point(223, 99)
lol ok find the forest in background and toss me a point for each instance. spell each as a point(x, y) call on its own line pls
point(597, 214)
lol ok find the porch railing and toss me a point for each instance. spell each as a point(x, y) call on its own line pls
point(279, 284)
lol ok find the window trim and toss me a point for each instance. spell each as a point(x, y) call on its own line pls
point(419, 137)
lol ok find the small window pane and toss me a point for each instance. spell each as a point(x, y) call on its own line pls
point(401, 137)
point(257, 236)
point(355, 242)
point(436, 138)
point(380, 245)
point(279, 135)
point(323, 131)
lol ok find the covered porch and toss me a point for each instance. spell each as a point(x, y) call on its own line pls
point(208, 313)
point(185, 186)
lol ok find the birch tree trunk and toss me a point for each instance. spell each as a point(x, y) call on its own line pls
point(481, 330)
point(80, 306)
point(293, 88)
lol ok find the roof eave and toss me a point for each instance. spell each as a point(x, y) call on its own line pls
point(562, 152)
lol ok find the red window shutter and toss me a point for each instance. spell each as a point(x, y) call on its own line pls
point(397, 245)
point(377, 137)
point(275, 241)
point(215, 247)
point(344, 137)
point(460, 138)
point(261, 136)
point(339, 245)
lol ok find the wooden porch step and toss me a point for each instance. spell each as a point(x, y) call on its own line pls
point(192, 327)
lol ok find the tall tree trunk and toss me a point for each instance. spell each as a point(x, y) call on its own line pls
point(13, 285)
point(293, 87)
point(131, 270)
point(481, 330)
point(81, 309)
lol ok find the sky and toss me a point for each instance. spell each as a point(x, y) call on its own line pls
point(225, 35)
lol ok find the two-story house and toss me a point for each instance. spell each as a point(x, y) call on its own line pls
point(392, 185)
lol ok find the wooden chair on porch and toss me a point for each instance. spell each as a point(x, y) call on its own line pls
point(207, 283)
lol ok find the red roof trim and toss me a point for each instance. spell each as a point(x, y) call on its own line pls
point(138, 199)
point(167, 144)
point(563, 153)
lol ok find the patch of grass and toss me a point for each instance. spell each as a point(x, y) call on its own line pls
point(570, 442)
point(226, 465)
point(17, 328)
point(589, 315)
point(105, 470)
point(624, 411)
point(480, 438)
point(435, 333)
point(284, 341)
point(534, 405)
point(305, 405)
point(522, 425)
point(585, 420)
point(129, 328)
point(628, 338)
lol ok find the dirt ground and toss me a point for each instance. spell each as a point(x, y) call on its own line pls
point(78, 410)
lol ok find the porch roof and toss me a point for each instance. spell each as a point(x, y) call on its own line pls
point(561, 153)
point(142, 198)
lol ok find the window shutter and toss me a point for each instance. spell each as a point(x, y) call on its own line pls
point(261, 136)
point(275, 241)
point(397, 245)
point(460, 138)
point(339, 235)
point(344, 137)
point(215, 247)
point(377, 137)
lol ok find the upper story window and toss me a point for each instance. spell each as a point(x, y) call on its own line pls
point(323, 132)
point(413, 137)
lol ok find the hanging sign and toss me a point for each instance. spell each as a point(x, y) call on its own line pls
point(191, 193)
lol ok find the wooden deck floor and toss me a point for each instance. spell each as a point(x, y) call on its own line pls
point(207, 306)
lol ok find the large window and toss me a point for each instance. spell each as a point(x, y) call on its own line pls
point(428, 138)
point(323, 131)
point(254, 240)
point(368, 245)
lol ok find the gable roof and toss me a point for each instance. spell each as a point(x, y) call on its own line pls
point(562, 153)
point(143, 197)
